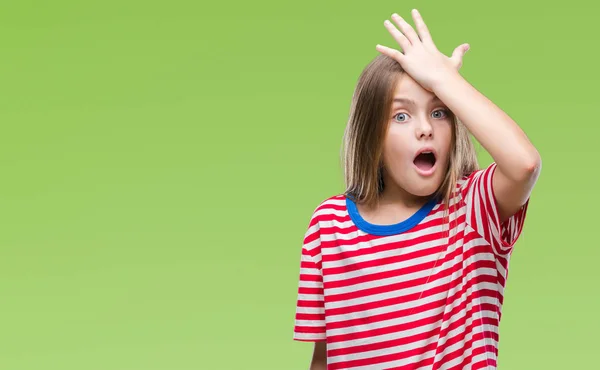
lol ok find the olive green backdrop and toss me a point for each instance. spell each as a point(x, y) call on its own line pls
point(161, 160)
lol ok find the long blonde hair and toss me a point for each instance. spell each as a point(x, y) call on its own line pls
point(366, 129)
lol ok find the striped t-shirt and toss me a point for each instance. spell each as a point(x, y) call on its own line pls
point(418, 294)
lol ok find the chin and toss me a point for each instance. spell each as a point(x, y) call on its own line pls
point(415, 183)
point(424, 187)
point(425, 191)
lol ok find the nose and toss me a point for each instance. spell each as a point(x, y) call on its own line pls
point(424, 129)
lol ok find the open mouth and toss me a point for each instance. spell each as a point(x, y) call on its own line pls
point(425, 161)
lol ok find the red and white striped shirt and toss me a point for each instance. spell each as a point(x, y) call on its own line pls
point(413, 295)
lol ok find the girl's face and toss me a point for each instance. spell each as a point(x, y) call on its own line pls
point(417, 145)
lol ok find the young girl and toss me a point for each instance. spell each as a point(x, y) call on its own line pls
point(406, 269)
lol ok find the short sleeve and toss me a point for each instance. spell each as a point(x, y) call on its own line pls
point(482, 212)
point(310, 308)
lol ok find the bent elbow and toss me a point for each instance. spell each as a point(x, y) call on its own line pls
point(534, 163)
point(531, 167)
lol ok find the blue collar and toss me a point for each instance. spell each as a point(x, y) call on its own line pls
point(392, 229)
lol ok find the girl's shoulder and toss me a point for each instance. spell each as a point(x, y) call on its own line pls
point(469, 179)
point(330, 205)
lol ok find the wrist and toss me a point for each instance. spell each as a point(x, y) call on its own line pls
point(446, 80)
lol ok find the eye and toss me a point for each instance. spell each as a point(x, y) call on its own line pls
point(443, 112)
point(404, 117)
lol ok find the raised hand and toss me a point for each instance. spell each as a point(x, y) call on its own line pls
point(419, 57)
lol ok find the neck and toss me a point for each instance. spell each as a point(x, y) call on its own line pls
point(394, 195)
point(402, 198)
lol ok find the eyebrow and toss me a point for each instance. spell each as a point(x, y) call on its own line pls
point(408, 101)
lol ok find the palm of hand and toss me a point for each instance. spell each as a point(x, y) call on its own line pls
point(420, 57)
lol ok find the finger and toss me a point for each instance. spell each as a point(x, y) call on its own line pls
point(458, 54)
point(406, 29)
point(392, 53)
point(422, 28)
point(397, 35)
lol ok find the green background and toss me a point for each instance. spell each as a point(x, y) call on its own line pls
point(161, 160)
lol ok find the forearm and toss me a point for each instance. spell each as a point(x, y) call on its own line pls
point(318, 366)
point(319, 357)
point(504, 140)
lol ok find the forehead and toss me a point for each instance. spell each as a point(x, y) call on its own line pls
point(407, 87)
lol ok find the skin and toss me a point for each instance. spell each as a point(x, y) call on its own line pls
point(319, 358)
point(518, 161)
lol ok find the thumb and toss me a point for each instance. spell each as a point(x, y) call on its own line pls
point(458, 54)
